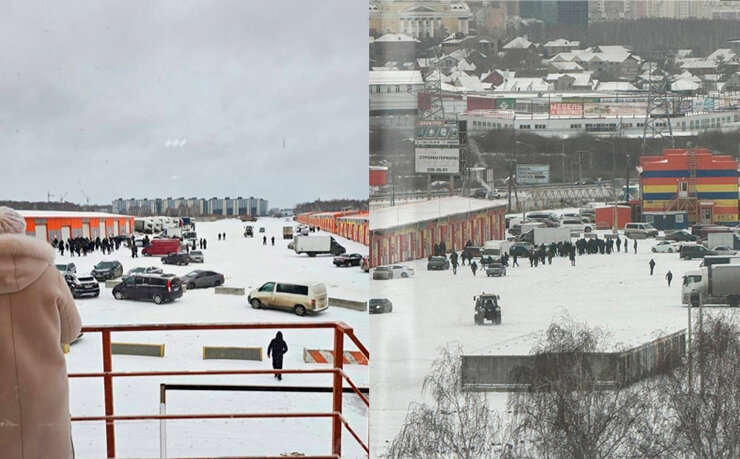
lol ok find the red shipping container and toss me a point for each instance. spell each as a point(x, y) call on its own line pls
point(605, 216)
point(378, 176)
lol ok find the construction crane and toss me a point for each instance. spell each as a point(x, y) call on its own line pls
point(61, 197)
point(87, 198)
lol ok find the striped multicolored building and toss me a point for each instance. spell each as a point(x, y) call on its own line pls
point(692, 180)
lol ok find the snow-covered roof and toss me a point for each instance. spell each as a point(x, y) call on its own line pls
point(523, 84)
point(580, 78)
point(562, 42)
point(566, 66)
point(684, 85)
point(724, 54)
point(686, 75)
point(518, 43)
point(417, 212)
point(612, 49)
point(616, 86)
point(469, 82)
point(699, 64)
point(396, 37)
point(465, 66)
point(396, 77)
point(68, 214)
point(684, 52)
point(589, 56)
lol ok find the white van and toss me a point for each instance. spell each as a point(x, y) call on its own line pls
point(299, 297)
point(639, 230)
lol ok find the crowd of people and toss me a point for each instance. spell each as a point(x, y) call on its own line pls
point(81, 246)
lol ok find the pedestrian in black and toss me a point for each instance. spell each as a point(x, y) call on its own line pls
point(264, 240)
point(652, 266)
point(219, 236)
point(514, 262)
point(626, 245)
point(134, 251)
point(272, 240)
point(277, 348)
point(573, 256)
point(224, 236)
point(473, 267)
point(61, 249)
point(619, 245)
point(205, 243)
point(669, 277)
point(635, 246)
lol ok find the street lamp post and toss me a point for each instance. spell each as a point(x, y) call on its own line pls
point(627, 188)
point(614, 153)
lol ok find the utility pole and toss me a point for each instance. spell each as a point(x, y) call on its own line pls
point(627, 188)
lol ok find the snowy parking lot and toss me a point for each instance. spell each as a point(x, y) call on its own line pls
point(247, 263)
point(433, 308)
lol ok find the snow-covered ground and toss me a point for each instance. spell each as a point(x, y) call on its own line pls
point(433, 308)
point(245, 262)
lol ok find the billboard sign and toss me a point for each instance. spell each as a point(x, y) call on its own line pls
point(437, 147)
point(505, 104)
point(562, 108)
point(530, 174)
point(631, 108)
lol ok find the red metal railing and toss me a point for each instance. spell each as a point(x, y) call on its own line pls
point(340, 331)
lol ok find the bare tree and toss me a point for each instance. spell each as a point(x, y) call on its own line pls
point(704, 411)
point(568, 412)
point(457, 424)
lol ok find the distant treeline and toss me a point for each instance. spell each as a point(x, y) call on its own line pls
point(53, 205)
point(644, 35)
point(332, 205)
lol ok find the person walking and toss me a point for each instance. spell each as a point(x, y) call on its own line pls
point(514, 262)
point(619, 245)
point(669, 277)
point(219, 236)
point(38, 317)
point(626, 245)
point(652, 266)
point(272, 240)
point(264, 240)
point(277, 348)
point(134, 251)
point(205, 244)
point(635, 246)
point(473, 266)
point(224, 236)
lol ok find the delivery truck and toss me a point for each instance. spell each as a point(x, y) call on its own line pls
point(726, 239)
point(716, 284)
point(546, 236)
point(317, 245)
point(287, 232)
point(161, 247)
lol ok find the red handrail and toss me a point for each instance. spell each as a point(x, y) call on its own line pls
point(341, 330)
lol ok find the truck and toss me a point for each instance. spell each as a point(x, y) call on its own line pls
point(143, 225)
point(716, 284)
point(316, 245)
point(546, 236)
point(496, 248)
point(161, 247)
point(726, 239)
point(287, 232)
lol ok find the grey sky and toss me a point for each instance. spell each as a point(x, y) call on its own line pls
point(270, 98)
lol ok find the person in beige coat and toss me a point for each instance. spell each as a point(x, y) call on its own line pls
point(37, 316)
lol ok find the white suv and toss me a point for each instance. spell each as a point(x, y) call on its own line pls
point(640, 230)
point(576, 224)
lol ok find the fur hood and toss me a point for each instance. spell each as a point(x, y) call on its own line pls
point(23, 259)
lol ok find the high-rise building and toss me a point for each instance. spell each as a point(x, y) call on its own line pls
point(568, 13)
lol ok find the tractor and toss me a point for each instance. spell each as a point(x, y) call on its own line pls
point(487, 308)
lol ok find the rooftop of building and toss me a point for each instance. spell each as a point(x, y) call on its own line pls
point(417, 212)
point(68, 214)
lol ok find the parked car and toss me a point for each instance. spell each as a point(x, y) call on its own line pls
point(106, 270)
point(495, 270)
point(639, 230)
point(299, 297)
point(83, 285)
point(365, 264)
point(379, 305)
point(148, 287)
point(576, 224)
point(689, 251)
point(393, 271)
point(348, 259)
point(176, 258)
point(667, 247)
point(438, 263)
point(724, 250)
point(67, 268)
point(680, 235)
point(262, 229)
point(473, 251)
point(196, 256)
point(521, 249)
point(202, 279)
point(147, 270)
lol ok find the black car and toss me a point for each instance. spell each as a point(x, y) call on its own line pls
point(379, 305)
point(82, 285)
point(348, 259)
point(106, 270)
point(681, 235)
point(146, 287)
point(176, 258)
point(521, 249)
point(200, 278)
point(438, 263)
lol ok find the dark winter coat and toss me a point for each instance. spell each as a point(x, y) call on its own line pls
point(277, 348)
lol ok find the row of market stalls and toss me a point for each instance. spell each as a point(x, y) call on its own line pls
point(352, 225)
point(63, 225)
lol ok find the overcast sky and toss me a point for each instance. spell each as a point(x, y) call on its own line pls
point(184, 98)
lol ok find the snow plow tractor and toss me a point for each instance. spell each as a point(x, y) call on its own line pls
point(487, 308)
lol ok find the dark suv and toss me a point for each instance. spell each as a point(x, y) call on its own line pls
point(82, 285)
point(144, 287)
point(438, 263)
point(106, 270)
point(689, 251)
point(176, 258)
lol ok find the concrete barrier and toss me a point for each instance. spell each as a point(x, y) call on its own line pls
point(229, 291)
point(348, 304)
point(112, 283)
point(232, 353)
point(324, 356)
point(149, 350)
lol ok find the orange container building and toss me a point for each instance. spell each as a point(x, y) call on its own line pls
point(351, 224)
point(47, 225)
point(605, 216)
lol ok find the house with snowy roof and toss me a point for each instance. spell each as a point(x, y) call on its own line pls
point(523, 84)
point(579, 81)
point(497, 77)
point(699, 66)
point(564, 67)
point(614, 86)
point(560, 45)
point(395, 47)
point(685, 86)
point(724, 55)
point(616, 65)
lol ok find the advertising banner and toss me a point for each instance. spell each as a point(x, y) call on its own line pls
point(505, 104)
point(631, 108)
point(438, 146)
point(561, 108)
point(530, 174)
point(437, 160)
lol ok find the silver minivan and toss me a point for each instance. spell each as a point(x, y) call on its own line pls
point(640, 230)
point(299, 297)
